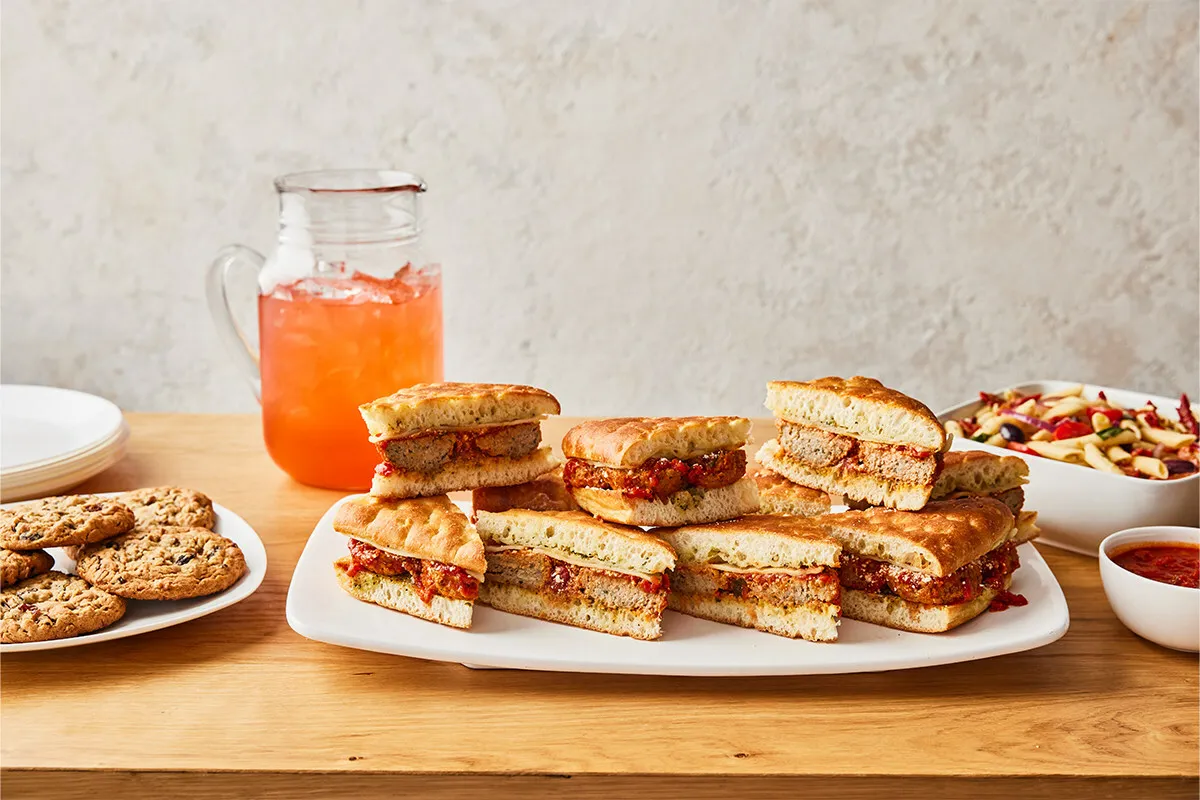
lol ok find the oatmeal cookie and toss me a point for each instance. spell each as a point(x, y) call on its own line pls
point(55, 606)
point(170, 505)
point(66, 520)
point(162, 563)
point(19, 565)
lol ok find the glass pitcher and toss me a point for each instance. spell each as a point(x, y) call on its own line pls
point(349, 309)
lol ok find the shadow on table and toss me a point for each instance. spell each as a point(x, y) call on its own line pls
point(179, 648)
point(1081, 660)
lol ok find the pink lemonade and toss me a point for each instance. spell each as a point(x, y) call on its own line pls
point(328, 345)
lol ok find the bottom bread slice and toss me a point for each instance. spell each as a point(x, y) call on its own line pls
point(686, 507)
point(399, 594)
point(836, 480)
point(579, 613)
point(815, 622)
point(464, 475)
point(892, 612)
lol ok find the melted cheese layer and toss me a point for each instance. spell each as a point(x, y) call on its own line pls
point(799, 572)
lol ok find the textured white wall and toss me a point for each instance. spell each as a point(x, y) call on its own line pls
point(642, 206)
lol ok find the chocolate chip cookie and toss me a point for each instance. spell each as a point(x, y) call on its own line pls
point(18, 565)
point(55, 606)
point(170, 505)
point(60, 521)
point(163, 563)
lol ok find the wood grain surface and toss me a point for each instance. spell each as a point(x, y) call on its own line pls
point(1097, 711)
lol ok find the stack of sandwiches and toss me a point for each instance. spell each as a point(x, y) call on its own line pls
point(856, 438)
point(777, 574)
point(660, 471)
point(419, 556)
point(569, 567)
point(925, 571)
point(435, 438)
point(930, 541)
point(906, 562)
point(411, 548)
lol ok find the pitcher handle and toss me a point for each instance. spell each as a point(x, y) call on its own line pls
point(231, 258)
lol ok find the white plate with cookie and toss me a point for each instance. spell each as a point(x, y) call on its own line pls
point(140, 616)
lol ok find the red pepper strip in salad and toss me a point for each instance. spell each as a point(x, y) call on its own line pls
point(1069, 429)
point(1021, 447)
point(1151, 417)
point(1185, 416)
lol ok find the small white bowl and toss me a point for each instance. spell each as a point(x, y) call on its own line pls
point(1078, 506)
point(1164, 614)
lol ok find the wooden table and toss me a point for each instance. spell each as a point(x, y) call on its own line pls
point(238, 705)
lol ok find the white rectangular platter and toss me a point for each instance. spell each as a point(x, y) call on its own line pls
point(318, 609)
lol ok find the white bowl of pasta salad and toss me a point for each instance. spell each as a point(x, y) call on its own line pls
point(1100, 459)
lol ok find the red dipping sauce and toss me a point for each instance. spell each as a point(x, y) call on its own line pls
point(1176, 563)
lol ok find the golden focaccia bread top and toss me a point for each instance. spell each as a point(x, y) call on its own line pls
point(546, 493)
point(860, 407)
point(430, 528)
point(937, 540)
point(576, 534)
point(979, 472)
point(756, 541)
point(630, 441)
point(431, 406)
point(772, 484)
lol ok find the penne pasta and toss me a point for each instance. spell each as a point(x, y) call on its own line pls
point(1028, 407)
point(1100, 422)
point(1097, 460)
point(1153, 467)
point(1124, 437)
point(990, 426)
point(1043, 436)
point(1118, 455)
point(1059, 451)
point(996, 440)
point(1164, 437)
point(1070, 391)
point(954, 429)
point(1067, 407)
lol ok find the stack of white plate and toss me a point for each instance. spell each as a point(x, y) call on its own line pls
point(52, 439)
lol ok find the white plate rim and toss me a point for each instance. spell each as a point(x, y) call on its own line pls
point(1031, 561)
point(253, 549)
point(107, 406)
point(74, 466)
point(65, 466)
point(27, 490)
